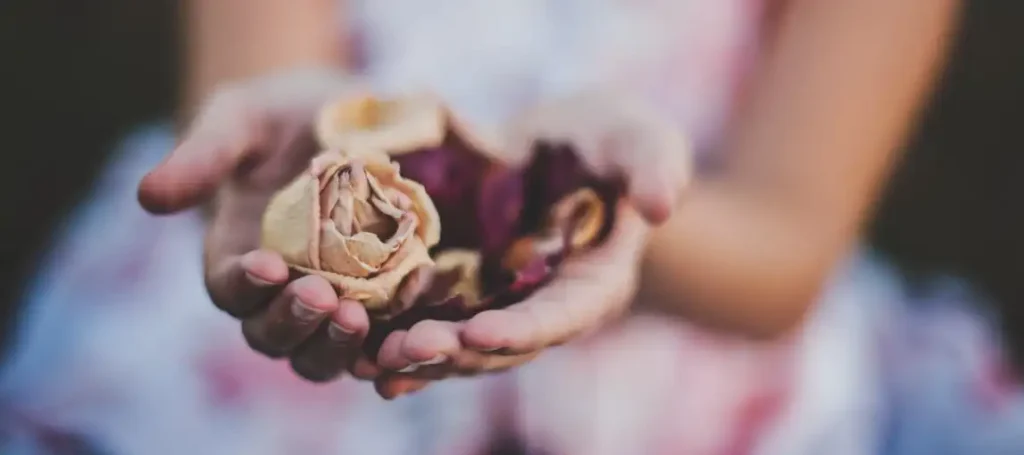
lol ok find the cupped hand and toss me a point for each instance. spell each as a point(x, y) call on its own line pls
point(617, 138)
point(248, 141)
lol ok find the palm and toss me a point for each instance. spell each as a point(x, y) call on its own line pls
point(280, 157)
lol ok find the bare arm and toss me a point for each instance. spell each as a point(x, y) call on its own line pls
point(228, 40)
point(834, 98)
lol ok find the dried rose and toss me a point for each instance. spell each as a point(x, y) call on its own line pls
point(356, 222)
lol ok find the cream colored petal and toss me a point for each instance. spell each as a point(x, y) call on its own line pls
point(587, 207)
point(393, 126)
point(290, 223)
point(343, 212)
point(336, 257)
point(429, 228)
point(368, 250)
point(386, 208)
point(398, 199)
point(400, 241)
point(405, 230)
point(372, 185)
point(329, 195)
point(328, 160)
point(467, 265)
point(358, 179)
point(375, 293)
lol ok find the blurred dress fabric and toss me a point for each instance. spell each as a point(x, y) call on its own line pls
point(121, 352)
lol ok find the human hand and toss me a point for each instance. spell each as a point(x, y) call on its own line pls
point(250, 140)
point(617, 139)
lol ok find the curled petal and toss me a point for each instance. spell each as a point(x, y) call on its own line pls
point(290, 223)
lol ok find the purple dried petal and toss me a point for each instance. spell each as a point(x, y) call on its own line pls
point(498, 210)
point(453, 175)
point(553, 173)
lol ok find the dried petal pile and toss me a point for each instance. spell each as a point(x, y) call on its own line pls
point(495, 233)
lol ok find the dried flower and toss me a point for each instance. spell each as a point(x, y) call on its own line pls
point(503, 230)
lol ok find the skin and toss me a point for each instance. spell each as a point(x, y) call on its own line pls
point(833, 98)
point(838, 89)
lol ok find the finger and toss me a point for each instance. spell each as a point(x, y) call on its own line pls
point(464, 363)
point(364, 368)
point(242, 285)
point(427, 343)
point(394, 386)
point(588, 290)
point(330, 350)
point(655, 160)
point(389, 356)
point(224, 135)
point(291, 317)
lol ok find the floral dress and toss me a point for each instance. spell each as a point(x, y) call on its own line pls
point(121, 352)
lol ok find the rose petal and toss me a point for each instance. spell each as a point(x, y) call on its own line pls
point(369, 219)
point(290, 223)
point(464, 265)
point(451, 176)
point(586, 211)
point(387, 207)
point(337, 255)
point(376, 293)
point(390, 126)
point(386, 176)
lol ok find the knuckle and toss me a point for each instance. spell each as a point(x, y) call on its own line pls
point(221, 300)
point(256, 340)
point(229, 302)
point(313, 373)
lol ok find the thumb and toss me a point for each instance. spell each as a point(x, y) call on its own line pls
point(657, 160)
point(209, 154)
point(189, 176)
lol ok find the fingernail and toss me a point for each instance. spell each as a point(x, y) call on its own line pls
point(437, 360)
point(258, 281)
point(305, 313)
point(338, 333)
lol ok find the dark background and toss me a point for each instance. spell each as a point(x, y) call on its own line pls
point(75, 75)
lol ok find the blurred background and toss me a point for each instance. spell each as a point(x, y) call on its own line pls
point(76, 76)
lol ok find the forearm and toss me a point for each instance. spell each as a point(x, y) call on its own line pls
point(731, 262)
point(835, 95)
point(228, 40)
